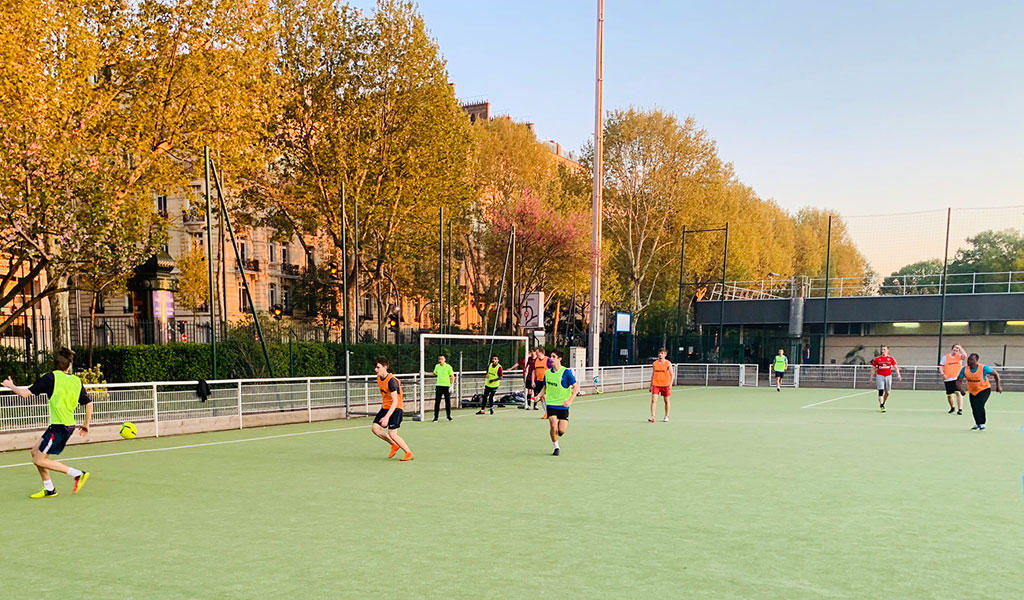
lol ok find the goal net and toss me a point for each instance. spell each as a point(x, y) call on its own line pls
point(469, 356)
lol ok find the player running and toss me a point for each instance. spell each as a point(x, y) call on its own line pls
point(950, 366)
point(662, 378)
point(389, 417)
point(491, 383)
point(882, 368)
point(445, 378)
point(978, 388)
point(65, 393)
point(779, 365)
point(560, 389)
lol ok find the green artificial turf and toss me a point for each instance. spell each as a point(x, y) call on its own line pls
point(744, 494)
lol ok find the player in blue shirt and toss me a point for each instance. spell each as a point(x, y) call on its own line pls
point(560, 389)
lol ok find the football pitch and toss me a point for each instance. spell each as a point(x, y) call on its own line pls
point(746, 493)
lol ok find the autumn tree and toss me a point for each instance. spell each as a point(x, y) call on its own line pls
point(101, 106)
point(194, 280)
point(366, 105)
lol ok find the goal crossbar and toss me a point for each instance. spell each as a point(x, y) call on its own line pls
point(460, 336)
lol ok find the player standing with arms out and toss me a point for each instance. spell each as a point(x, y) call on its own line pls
point(662, 378)
point(560, 389)
point(949, 367)
point(65, 392)
point(978, 388)
point(445, 377)
point(882, 368)
point(779, 365)
point(389, 417)
point(491, 383)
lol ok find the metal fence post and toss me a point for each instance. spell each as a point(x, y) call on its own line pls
point(913, 385)
point(707, 374)
point(348, 380)
point(366, 396)
point(240, 424)
point(156, 413)
point(854, 376)
point(309, 399)
point(622, 378)
point(458, 390)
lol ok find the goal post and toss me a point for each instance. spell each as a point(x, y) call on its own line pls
point(460, 336)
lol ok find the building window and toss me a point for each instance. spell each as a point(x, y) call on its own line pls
point(241, 252)
point(273, 294)
point(273, 252)
point(161, 205)
point(286, 297)
point(243, 299)
point(367, 306)
point(284, 254)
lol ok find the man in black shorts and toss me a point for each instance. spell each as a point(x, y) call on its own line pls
point(65, 393)
point(389, 418)
point(560, 389)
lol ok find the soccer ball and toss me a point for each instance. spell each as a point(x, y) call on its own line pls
point(128, 430)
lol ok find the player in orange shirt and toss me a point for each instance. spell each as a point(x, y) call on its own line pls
point(389, 418)
point(541, 364)
point(975, 376)
point(949, 369)
point(661, 384)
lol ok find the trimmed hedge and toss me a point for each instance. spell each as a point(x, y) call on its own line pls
point(243, 359)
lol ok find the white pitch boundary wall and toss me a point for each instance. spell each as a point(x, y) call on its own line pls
point(162, 408)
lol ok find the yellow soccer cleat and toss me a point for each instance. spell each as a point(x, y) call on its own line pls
point(44, 493)
point(80, 482)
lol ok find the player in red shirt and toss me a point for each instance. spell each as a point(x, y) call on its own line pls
point(882, 368)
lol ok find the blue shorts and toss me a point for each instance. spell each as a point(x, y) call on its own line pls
point(55, 438)
point(562, 412)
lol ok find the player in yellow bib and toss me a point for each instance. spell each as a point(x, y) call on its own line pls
point(560, 389)
point(779, 365)
point(491, 383)
point(66, 393)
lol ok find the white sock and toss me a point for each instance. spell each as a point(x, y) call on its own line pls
point(48, 485)
point(74, 472)
point(555, 443)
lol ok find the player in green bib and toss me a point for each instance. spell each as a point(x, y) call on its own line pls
point(779, 365)
point(560, 389)
point(65, 393)
point(491, 384)
point(445, 377)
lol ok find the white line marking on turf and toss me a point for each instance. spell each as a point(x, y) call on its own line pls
point(223, 442)
point(839, 398)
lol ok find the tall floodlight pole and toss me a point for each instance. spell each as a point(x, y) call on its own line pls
point(594, 348)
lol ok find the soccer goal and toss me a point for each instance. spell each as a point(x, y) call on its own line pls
point(469, 356)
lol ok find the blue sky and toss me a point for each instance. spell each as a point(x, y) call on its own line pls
point(864, 107)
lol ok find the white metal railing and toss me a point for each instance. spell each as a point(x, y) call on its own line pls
point(231, 400)
point(915, 377)
point(893, 285)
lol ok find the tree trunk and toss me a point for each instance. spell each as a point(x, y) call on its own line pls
point(92, 324)
point(558, 312)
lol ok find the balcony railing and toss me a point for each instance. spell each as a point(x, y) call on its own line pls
point(252, 264)
point(290, 269)
point(193, 215)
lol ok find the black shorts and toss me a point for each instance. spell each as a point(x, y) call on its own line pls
point(562, 412)
point(55, 438)
point(951, 387)
point(394, 422)
point(780, 374)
